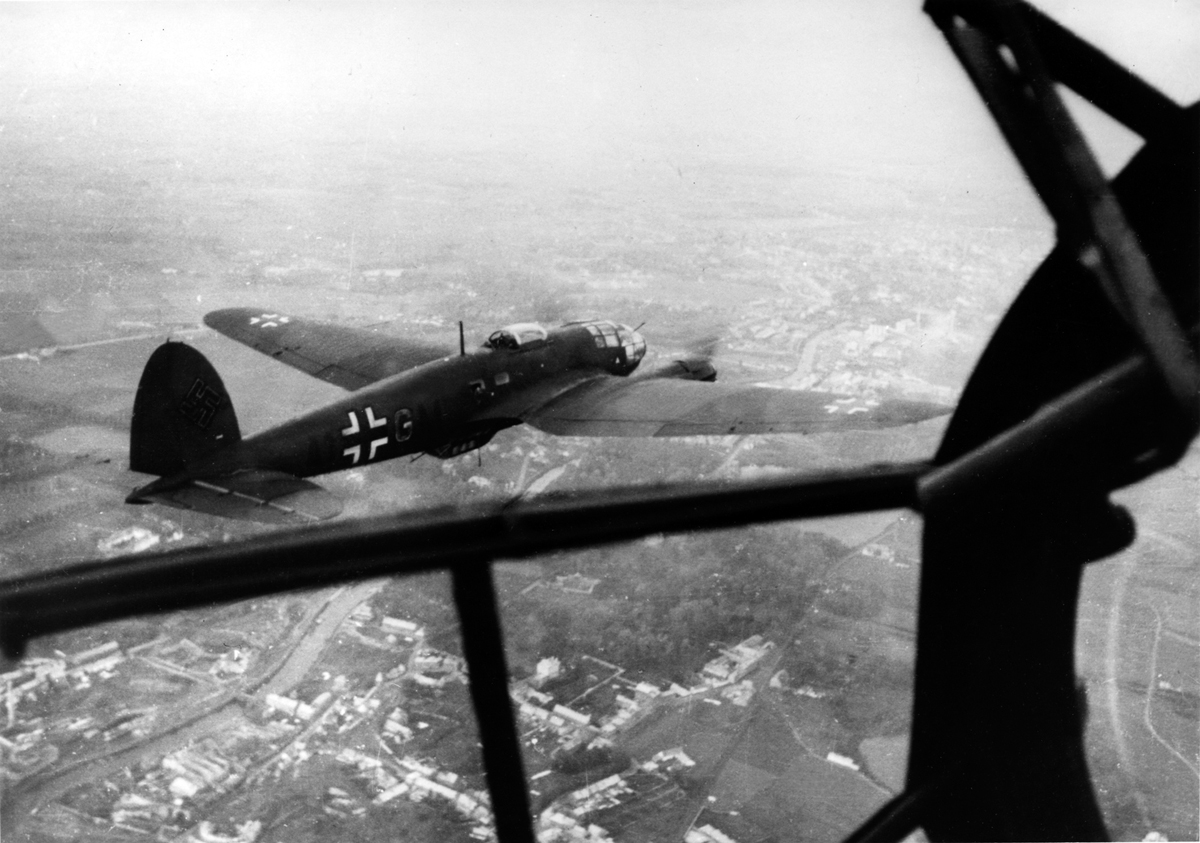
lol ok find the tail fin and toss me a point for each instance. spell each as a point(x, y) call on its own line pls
point(181, 411)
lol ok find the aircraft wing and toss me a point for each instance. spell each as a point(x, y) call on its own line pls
point(525, 403)
point(344, 356)
point(613, 406)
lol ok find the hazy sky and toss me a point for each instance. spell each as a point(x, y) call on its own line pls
point(565, 81)
point(566, 87)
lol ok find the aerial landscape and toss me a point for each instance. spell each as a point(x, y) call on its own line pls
point(390, 172)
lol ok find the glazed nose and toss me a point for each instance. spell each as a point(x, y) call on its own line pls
point(639, 346)
point(635, 346)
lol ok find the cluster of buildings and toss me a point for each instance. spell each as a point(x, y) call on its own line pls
point(594, 813)
point(566, 727)
point(554, 826)
point(849, 360)
point(772, 324)
point(867, 361)
point(25, 746)
point(393, 632)
point(166, 798)
point(171, 797)
point(25, 753)
point(632, 706)
point(426, 667)
point(595, 797)
point(347, 711)
point(430, 668)
point(196, 769)
point(36, 674)
point(572, 817)
point(187, 658)
point(292, 707)
point(539, 713)
point(418, 781)
point(735, 662)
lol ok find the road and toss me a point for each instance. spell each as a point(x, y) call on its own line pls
point(304, 653)
point(36, 354)
point(1151, 687)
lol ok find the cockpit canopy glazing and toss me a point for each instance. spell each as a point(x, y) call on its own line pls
point(515, 337)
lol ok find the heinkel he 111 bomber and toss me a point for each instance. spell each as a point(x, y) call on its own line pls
point(406, 397)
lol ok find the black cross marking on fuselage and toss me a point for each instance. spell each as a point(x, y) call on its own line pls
point(200, 405)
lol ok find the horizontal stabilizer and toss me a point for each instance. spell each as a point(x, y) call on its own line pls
point(269, 497)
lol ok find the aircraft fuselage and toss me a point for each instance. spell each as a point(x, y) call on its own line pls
point(434, 407)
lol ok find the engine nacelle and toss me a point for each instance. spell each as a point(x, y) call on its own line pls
point(684, 368)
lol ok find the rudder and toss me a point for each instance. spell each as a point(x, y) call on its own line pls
point(181, 411)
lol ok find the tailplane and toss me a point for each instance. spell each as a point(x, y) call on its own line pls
point(268, 497)
point(181, 412)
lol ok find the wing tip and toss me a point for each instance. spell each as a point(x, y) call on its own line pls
point(227, 317)
point(915, 412)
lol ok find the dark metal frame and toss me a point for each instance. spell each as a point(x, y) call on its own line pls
point(1089, 384)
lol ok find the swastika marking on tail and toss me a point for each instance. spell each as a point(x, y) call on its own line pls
point(200, 405)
